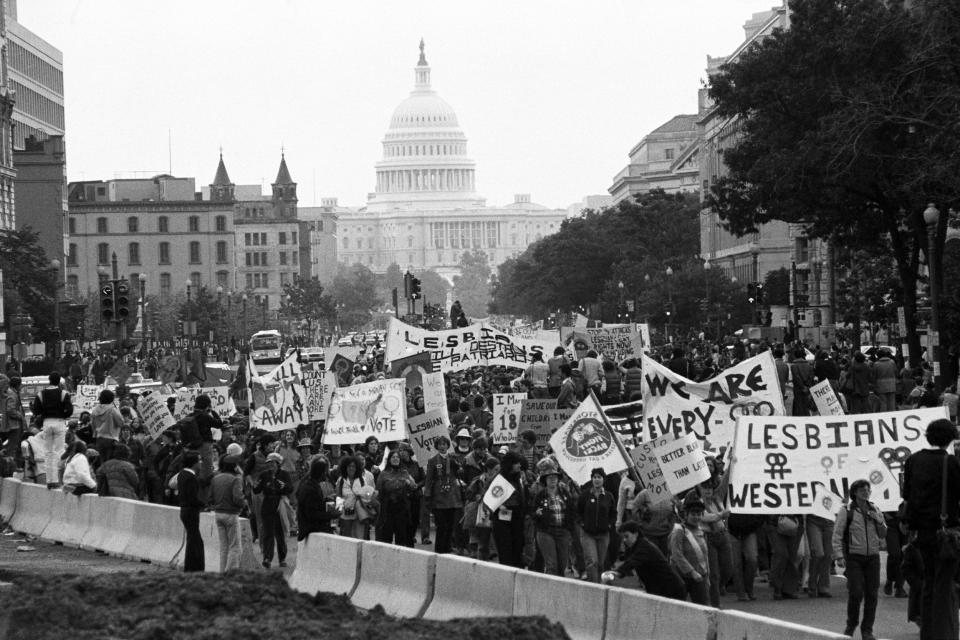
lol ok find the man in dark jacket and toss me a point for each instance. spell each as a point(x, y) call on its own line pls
point(188, 486)
point(644, 558)
point(207, 420)
point(273, 484)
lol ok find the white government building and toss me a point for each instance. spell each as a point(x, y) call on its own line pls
point(425, 211)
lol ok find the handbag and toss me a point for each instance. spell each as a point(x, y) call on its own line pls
point(367, 510)
point(787, 525)
point(948, 538)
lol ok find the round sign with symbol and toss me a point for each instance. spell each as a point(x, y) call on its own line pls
point(588, 438)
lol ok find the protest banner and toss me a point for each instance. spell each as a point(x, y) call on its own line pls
point(675, 405)
point(342, 368)
point(412, 367)
point(648, 468)
point(155, 414)
point(506, 417)
point(497, 493)
point(370, 409)
point(613, 341)
point(828, 404)
point(86, 398)
point(585, 442)
point(457, 349)
point(424, 431)
point(435, 394)
point(780, 461)
point(682, 463)
point(540, 415)
point(220, 401)
point(319, 385)
point(627, 420)
point(279, 399)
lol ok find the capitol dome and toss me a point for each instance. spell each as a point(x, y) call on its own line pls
point(425, 160)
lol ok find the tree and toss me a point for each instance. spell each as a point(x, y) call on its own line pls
point(29, 282)
point(472, 286)
point(390, 280)
point(354, 294)
point(776, 288)
point(847, 127)
point(434, 287)
point(305, 300)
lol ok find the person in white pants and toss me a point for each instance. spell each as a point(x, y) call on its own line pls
point(52, 407)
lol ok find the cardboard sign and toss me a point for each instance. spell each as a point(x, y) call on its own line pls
point(497, 493)
point(279, 398)
point(416, 364)
point(828, 404)
point(613, 341)
point(648, 468)
point(781, 462)
point(682, 463)
point(155, 415)
point(457, 349)
point(370, 409)
point(319, 385)
point(585, 442)
point(675, 405)
point(87, 397)
point(506, 417)
point(424, 431)
point(220, 401)
point(541, 416)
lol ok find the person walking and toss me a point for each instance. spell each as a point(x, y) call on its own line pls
point(554, 378)
point(819, 537)
point(688, 550)
point(554, 513)
point(316, 501)
point(394, 488)
point(856, 546)
point(931, 489)
point(226, 499)
point(12, 420)
point(509, 533)
point(106, 421)
point(274, 483)
point(596, 510)
point(52, 407)
point(441, 490)
point(885, 380)
point(188, 488)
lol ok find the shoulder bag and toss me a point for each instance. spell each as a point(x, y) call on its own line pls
point(948, 538)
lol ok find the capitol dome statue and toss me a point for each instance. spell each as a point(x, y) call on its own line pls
point(425, 162)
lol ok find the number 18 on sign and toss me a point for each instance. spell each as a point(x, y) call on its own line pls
point(506, 416)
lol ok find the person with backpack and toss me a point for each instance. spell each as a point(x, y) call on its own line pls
point(51, 408)
point(857, 537)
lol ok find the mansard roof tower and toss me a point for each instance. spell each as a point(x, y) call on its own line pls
point(284, 191)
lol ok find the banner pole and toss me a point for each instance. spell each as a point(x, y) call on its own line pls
point(631, 466)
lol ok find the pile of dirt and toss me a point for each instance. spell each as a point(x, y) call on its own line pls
point(237, 606)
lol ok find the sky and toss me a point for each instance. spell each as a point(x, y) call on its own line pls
point(551, 94)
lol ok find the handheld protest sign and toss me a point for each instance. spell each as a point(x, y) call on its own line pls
point(372, 409)
point(506, 417)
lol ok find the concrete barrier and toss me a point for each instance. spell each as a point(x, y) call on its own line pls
point(470, 588)
point(737, 625)
point(580, 606)
point(70, 518)
point(635, 614)
point(397, 578)
point(326, 562)
point(34, 504)
point(111, 526)
point(157, 534)
point(9, 491)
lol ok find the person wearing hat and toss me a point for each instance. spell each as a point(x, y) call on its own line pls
point(274, 483)
point(441, 490)
point(688, 550)
point(554, 514)
point(596, 511)
point(226, 499)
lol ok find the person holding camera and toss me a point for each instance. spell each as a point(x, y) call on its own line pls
point(274, 483)
point(857, 536)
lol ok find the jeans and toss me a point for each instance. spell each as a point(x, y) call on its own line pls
point(895, 542)
point(820, 538)
point(744, 554)
point(863, 584)
point(228, 528)
point(594, 552)
point(697, 590)
point(721, 563)
point(272, 530)
point(784, 577)
point(54, 436)
point(508, 535)
point(554, 545)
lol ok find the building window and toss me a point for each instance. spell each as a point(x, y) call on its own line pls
point(165, 285)
point(246, 239)
point(263, 258)
point(221, 223)
point(295, 256)
point(222, 279)
point(72, 256)
point(282, 237)
point(163, 253)
point(293, 234)
point(103, 253)
point(133, 224)
point(163, 224)
point(195, 281)
point(101, 225)
point(283, 257)
point(284, 279)
point(249, 281)
point(71, 225)
point(248, 259)
point(409, 241)
point(194, 223)
point(73, 287)
point(493, 234)
point(263, 238)
point(359, 243)
point(346, 243)
point(133, 253)
point(668, 154)
point(221, 252)
point(194, 252)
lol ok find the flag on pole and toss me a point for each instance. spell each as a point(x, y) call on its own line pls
point(586, 442)
point(497, 493)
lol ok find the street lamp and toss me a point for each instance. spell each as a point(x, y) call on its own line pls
point(620, 309)
point(143, 309)
point(706, 289)
point(55, 263)
point(244, 336)
point(669, 273)
point(931, 217)
point(188, 324)
point(219, 323)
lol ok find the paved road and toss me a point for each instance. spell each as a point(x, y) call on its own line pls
point(51, 559)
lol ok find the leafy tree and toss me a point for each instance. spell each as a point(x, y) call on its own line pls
point(388, 281)
point(434, 287)
point(354, 294)
point(847, 127)
point(472, 286)
point(305, 300)
point(869, 289)
point(776, 288)
point(29, 282)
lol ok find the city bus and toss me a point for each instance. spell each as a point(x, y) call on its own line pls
point(266, 347)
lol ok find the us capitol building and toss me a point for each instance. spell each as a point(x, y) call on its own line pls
point(425, 212)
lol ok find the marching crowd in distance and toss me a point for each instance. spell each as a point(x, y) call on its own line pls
point(690, 547)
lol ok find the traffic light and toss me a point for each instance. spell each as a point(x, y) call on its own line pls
point(123, 300)
point(759, 293)
point(107, 302)
point(415, 288)
point(751, 292)
point(406, 285)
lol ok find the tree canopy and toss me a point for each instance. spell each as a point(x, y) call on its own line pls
point(29, 282)
point(472, 286)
